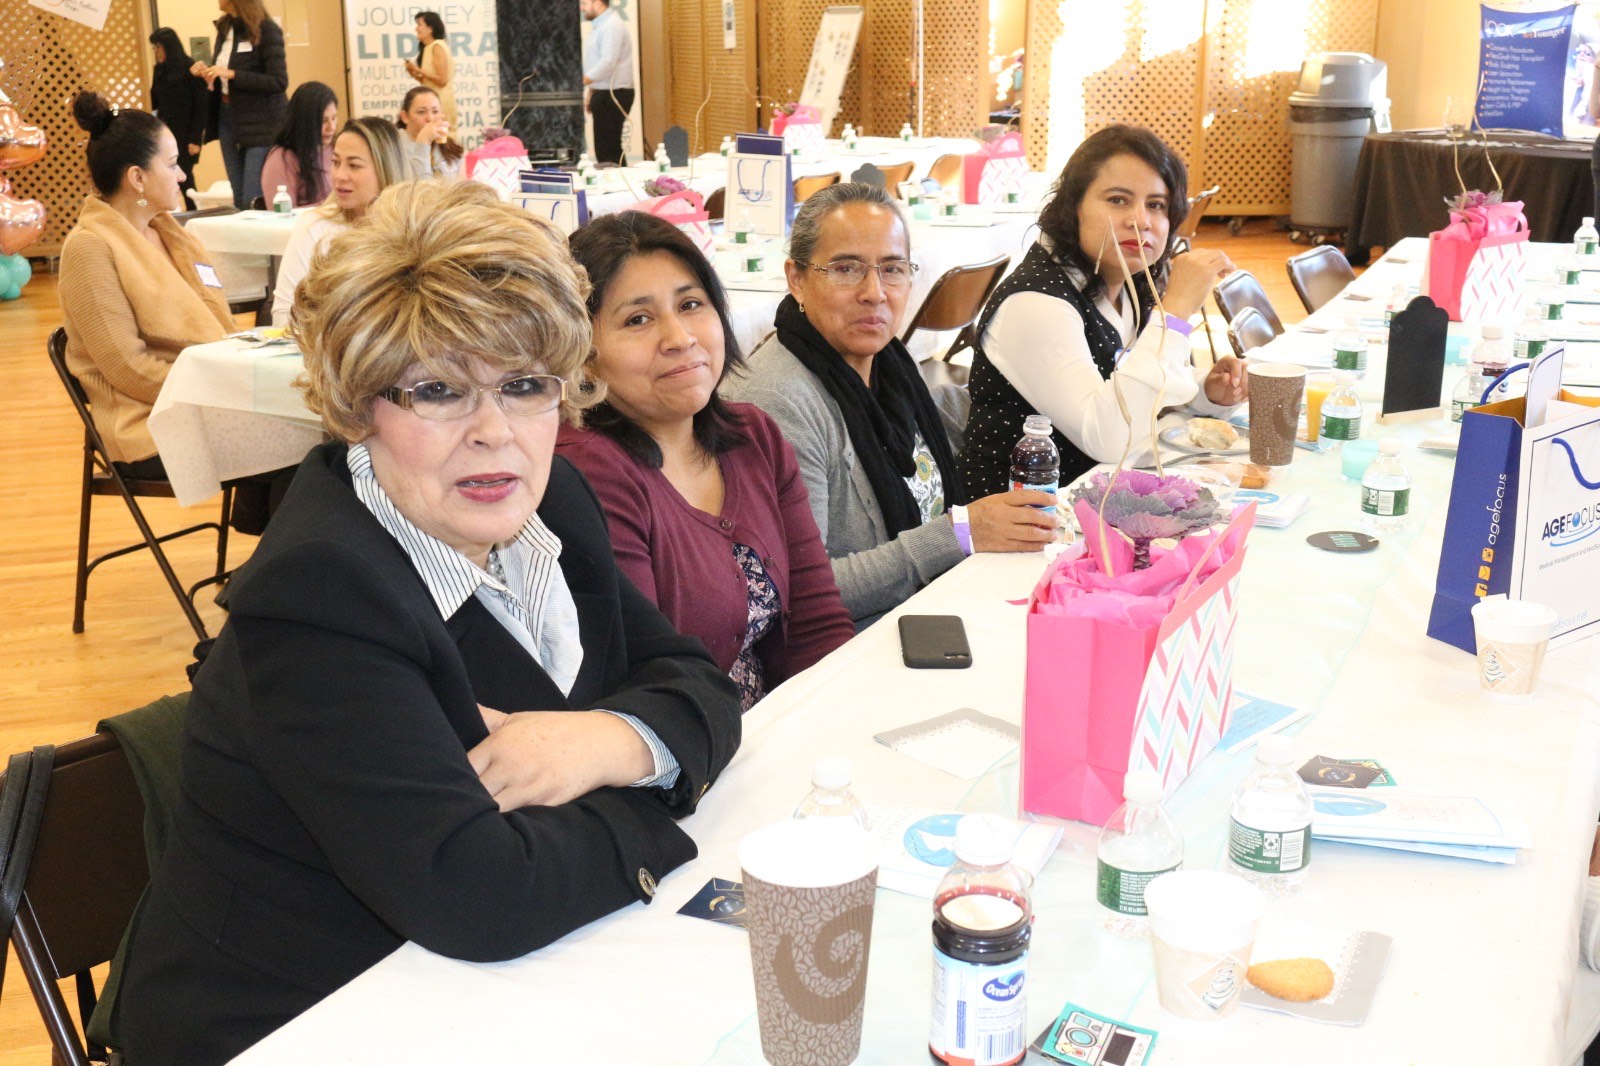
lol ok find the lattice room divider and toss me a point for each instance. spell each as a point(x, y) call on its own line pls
point(1190, 71)
point(49, 59)
point(775, 41)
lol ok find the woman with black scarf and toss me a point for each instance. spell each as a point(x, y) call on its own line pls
point(179, 99)
point(871, 444)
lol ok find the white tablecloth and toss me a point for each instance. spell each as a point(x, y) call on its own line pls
point(1475, 945)
point(228, 410)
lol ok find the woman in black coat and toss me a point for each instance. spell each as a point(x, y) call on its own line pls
point(248, 79)
point(179, 99)
point(438, 713)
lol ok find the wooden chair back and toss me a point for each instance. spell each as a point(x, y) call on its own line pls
point(804, 187)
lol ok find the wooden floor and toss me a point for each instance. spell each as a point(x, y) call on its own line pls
point(58, 684)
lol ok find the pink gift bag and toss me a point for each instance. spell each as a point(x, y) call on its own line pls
point(802, 131)
point(1109, 692)
point(496, 164)
point(1474, 266)
point(986, 172)
point(687, 211)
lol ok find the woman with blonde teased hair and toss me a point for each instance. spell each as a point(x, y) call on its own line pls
point(438, 712)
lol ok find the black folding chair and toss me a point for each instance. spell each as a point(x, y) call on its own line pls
point(102, 478)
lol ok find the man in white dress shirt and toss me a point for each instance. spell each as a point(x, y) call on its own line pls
point(607, 77)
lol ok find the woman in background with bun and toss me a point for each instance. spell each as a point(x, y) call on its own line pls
point(1074, 335)
point(135, 288)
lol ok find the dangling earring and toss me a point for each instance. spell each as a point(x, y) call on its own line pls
point(141, 201)
point(802, 308)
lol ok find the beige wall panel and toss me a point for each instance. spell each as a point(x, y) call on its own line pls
point(712, 91)
point(49, 59)
point(1431, 47)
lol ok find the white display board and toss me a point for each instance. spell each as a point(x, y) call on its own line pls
point(381, 35)
point(830, 60)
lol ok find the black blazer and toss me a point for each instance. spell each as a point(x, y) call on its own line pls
point(257, 92)
point(329, 812)
point(181, 101)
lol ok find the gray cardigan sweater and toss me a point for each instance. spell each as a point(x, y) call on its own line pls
point(875, 574)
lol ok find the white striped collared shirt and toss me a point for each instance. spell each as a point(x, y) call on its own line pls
point(528, 596)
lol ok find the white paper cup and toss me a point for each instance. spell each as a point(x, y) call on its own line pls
point(808, 894)
point(1512, 638)
point(1203, 926)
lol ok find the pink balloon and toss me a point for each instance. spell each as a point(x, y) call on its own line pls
point(21, 223)
point(20, 143)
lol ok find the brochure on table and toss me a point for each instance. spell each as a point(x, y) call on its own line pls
point(759, 184)
point(552, 195)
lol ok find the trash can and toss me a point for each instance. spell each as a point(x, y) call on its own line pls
point(1342, 97)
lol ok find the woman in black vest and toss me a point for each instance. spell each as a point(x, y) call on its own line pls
point(1069, 329)
point(179, 99)
point(248, 78)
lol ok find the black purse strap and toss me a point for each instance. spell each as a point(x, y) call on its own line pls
point(22, 803)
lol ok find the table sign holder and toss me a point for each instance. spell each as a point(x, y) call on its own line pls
point(1414, 380)
point(676, 142)
point(553, 195)
point(868, 174)
point(760, 183)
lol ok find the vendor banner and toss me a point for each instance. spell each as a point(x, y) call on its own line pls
point(381, 35)
point(1522, 66)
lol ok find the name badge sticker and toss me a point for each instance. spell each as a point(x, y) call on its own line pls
point(208, 276)
point(244, 46)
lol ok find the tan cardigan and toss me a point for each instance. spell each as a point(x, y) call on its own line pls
point(129, 311)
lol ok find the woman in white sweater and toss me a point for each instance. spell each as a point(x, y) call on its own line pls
point(1076, 324)
point(368, 157)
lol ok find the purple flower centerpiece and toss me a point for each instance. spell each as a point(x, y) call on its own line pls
point(1144, 507)
point(663, 186)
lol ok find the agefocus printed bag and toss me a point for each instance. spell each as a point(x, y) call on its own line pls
point(1524, 515)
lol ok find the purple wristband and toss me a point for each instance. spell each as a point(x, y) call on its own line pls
point(1176, 323)
point(963, 528)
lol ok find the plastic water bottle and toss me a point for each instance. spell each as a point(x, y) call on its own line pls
point(1399, 297)
point(830, 795)
point(1341, 413)
point(727, 146)
point(1569, 271)
point(905, 132)
point(849, 137)
point(1350, 347)
point(1585, 240)
point(1530, 337)
point(742, 228)
point(1489, 360)
point(1553, 303)
point(1269, 830)
point(1138, 844)
point(282, 204)
point(1035, 461)
point(1386, 490)
point(663, 163)
point(982, 923)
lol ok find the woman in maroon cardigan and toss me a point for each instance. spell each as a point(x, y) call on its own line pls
point(708, 514)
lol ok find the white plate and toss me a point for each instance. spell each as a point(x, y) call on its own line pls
point(1178, 437)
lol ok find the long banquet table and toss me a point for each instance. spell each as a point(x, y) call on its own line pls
point(1477, 947)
